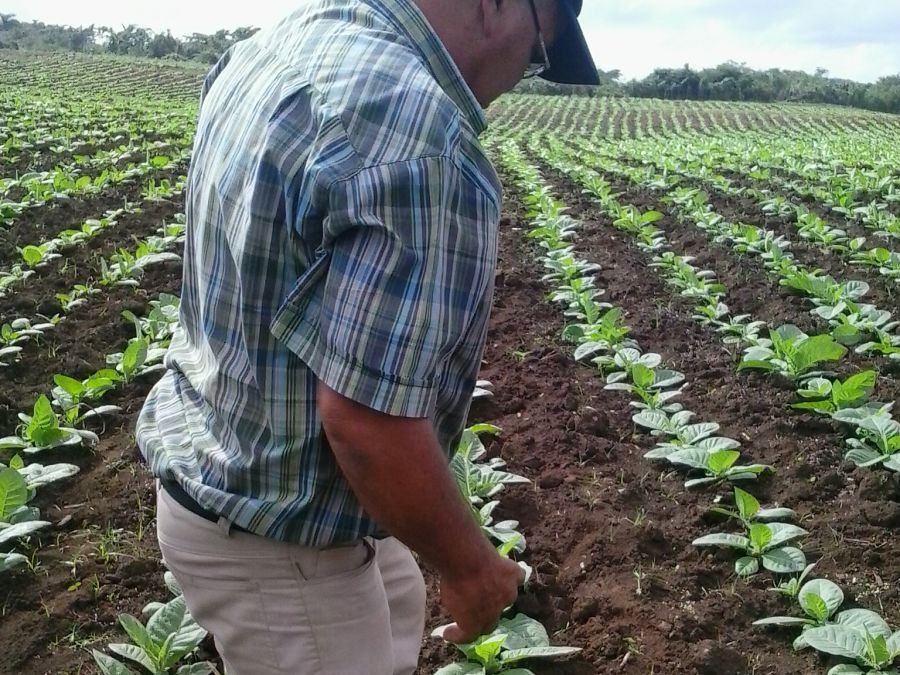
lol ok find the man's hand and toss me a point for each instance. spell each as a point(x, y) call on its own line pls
point(476, 601)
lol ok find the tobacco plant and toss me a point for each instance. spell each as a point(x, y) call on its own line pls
point(514, 641)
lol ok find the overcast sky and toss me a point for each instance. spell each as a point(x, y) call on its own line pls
point(861, 42)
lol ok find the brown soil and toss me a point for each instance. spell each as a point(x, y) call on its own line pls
point(596, 513)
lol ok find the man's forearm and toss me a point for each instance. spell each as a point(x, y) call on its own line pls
point(400, 476)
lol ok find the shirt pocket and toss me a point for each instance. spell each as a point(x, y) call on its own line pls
point(296, 323)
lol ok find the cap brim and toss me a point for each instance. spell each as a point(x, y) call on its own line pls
point(570, 59)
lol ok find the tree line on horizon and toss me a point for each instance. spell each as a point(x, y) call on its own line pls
point(728, 81)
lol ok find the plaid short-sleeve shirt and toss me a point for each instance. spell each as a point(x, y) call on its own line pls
point(341, 226)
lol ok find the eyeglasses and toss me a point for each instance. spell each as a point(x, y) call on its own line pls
point(540, 60)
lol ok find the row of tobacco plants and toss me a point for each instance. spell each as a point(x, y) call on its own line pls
point(764, 539)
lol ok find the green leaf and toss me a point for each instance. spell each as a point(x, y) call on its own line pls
point(166, 621)
point(746, 566)
point(760, 536)
point(786, 560)
point(864, 621)
point(109, 666)
point(642, 376)
point(32, 255)
point(135, 355)
point(10, 561)
point(486, 651)
point(815, 607)
point(70, 385)
point(13, 492)
point(747, 504)
point(836, 640)
point(22, 529)
point(817, 349)
point(464, 668)
point(784, 532)
point(719, 462)
point(522, 632)
point(202, 668)
point(138, 633)
point(515, 655)
point(782, 621)
point(723, 539)
point(136, 654)
point(828, 592)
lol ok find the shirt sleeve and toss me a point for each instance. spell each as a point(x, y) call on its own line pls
point(400, 276)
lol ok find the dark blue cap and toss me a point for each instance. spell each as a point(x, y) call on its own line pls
point(570, 58)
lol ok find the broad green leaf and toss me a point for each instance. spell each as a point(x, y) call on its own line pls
point(203, 668)
point(863, 621)
point(723, 539)
point(138, 633)
point(786, 560)
point(523, 631)
point(817, 349)
point(109, 666)
point(746, 566)
point(836, 640)
point(38, 475)
point(827, 591)
point(69, 384)
point(747, 504)
point(13, 492)
point(487, 650)
point(784, 532)
point(134, 653)
point(764, 515)
point(23, 529)
point(781, 621)
point(166, 621)
point(464, 668)
point(10, 561)
point(717, 444)
point(642, 376)
point(846, 669)
point(515, 655)
point(720, 462)
point(761, 536)
point(815, 607)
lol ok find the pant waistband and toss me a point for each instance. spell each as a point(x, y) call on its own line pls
point(176, 492)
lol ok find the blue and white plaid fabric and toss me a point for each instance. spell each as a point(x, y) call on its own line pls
point(342, 225)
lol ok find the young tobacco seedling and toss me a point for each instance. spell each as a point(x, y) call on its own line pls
point(682, 435)
point(762, 544)
point(828, 396)
point(16, 519)
point(792, 353)
point(70, 395)
point(718, 466)
point(502, 651)
point(42, 431)
point(877, 441)
point(648, 384)
point(748, 510)
point(860, 635)
point(791, 587)
point(478, 481)
point(170, 635)
point(819, 600)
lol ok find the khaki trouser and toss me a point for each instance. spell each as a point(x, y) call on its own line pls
point(283, 609)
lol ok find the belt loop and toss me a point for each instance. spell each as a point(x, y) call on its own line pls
point(224, 525)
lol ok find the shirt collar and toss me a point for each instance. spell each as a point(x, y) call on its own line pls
point(410, 21)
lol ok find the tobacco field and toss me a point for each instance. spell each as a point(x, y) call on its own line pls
point(685, 429)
